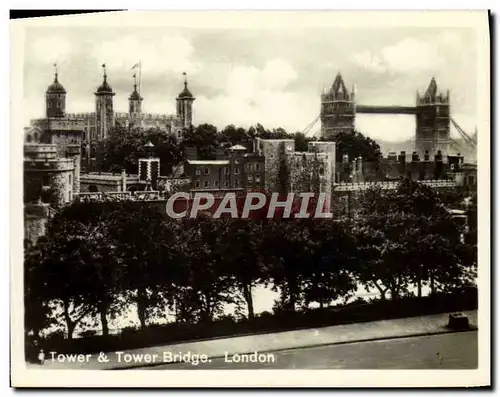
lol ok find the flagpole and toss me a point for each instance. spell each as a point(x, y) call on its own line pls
point(140, 76)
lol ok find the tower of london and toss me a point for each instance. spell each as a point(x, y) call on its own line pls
point(96, 125)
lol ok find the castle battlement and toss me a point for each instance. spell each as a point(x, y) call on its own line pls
point(80, 116)
point(40, 150)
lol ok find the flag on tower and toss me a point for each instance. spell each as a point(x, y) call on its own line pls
point(135, 66)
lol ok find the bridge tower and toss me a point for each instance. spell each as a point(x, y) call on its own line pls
point(432, 121)
point(338, 109)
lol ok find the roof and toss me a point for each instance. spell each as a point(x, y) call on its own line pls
point(237, 147)
point(56, 87)
point(338, 86)
point(432, 89)
point(208, 162)
point(135, 95)
point(104, 87)
point(185, 92)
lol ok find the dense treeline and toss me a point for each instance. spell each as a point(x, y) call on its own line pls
point(124, 146)
point(98, 258)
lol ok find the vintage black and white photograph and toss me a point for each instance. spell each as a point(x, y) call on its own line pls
point(251, 191)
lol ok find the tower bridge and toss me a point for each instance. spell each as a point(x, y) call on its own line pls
point(431, 110)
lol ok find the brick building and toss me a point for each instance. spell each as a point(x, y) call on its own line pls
point(233, 170)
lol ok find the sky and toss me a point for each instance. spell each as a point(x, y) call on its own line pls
point(248, 76)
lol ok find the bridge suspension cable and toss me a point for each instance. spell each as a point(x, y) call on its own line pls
point(471, 142)
point(309, 127)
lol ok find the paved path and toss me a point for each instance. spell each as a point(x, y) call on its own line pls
point(385, 329)
point(441, 351)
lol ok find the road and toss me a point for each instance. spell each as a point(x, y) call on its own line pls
point(443, 351)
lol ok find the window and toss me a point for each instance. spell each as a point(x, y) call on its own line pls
point(206, 171)
point(236, 171)
point(226, 170)
point(249, 179)
point(216, 183)
point(235, 183)
point(49, 104)
point(257, 178)
point(69, 178)
point(257, 167)
point(205, 184)
point(226, 183)
point(58, 104)
point(197, 171)
point(321, 170)
point(197, 184)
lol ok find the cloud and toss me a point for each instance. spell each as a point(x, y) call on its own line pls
point(259, 95)
point(370, 61)
point(51, 49)
point(158, 55)
point(406, 56)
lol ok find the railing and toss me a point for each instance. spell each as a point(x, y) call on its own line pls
point(118, 196)
point(348, 186)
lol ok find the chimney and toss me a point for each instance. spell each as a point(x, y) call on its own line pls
point(426, 155)
point(256, 145)
point(359, 169)
point(438, 156)
point(124, 180)
point(359, 164)
point(414, 157)
point(402, 157)
point(392, 156)
point(345, 159)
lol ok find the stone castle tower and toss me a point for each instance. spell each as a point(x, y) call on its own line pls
point(432, 121)
point(338, 109)
point(55, 99)
point(104, 107)
point(135, 104)
point(185, 106)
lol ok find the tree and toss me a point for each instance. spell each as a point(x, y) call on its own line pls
point(241, 242)
point(406, 236)
point(37, 308)
point(330, 273)
point(231, 135)
point(287, 248)
point(355, 144)
point(204, 138)
point(76, 265)
point(301, 142)
point(206, 285)
point(145, 256)
point(124, 147)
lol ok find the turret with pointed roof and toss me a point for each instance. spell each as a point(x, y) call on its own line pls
point(134, 103)
point(105, 119)
point(338, 108)
point(185, 105)
point(55, 98)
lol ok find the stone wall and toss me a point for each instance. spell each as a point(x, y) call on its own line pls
point(36, 217)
